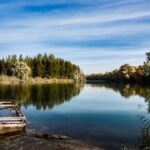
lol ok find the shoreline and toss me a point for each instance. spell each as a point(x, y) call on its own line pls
point(117, 82)
point(13, 80)
point(96, 81)
point(28, 141)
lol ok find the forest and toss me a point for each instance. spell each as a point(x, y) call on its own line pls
point(126, 73)
point(44, 66)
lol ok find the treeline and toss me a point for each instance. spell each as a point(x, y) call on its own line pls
point(44, 66)
point(126, 73)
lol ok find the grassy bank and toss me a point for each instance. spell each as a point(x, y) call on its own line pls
point(37, 80)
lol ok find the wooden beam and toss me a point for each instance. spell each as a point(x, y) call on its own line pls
point(11, 118)
point(3, 123)
point(7, 105)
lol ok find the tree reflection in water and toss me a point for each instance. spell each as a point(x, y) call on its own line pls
point(40, 96)
point(127, 90)
point(48, 96)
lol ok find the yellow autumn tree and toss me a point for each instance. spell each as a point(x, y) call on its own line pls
point(21, 70)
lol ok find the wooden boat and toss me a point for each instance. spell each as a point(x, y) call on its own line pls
point(12, 119)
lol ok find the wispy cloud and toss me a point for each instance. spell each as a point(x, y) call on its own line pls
point(92, 32)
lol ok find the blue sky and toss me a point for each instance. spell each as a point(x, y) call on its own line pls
point(97, 35)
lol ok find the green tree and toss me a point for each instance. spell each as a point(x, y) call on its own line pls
point(41, 66)
point(148, 56)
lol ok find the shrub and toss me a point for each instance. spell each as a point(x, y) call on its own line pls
point(21, 70)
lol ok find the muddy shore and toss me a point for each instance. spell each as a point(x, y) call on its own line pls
point(27, 141)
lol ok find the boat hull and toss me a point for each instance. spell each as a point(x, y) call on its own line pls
point(14, 121)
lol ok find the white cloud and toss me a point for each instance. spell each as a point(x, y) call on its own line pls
point(116, 21)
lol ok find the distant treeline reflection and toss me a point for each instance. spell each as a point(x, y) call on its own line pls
point(128, 90)
point(40, 96)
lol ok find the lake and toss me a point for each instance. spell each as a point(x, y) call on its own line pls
point(106, 115)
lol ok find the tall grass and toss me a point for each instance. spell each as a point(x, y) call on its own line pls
point(14, 80)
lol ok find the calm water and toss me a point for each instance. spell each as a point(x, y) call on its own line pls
point(108, 116)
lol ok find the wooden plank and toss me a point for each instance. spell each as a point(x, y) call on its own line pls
point(8, 105)
point(11, 126)
point(3, 123)
point(11, 118)
point(2, 108)
point(19, 112)
point(10, 130)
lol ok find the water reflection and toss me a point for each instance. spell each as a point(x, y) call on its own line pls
point(40, 96)
point(95, 115)
point(128, 90)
